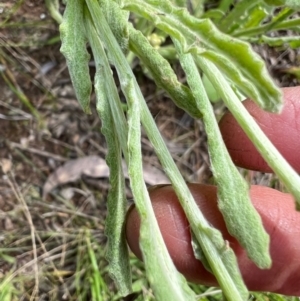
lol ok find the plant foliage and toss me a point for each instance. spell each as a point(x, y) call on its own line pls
point(211, 41)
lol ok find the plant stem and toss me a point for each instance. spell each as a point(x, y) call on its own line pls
point(263, 29)
point(268, 151)
point(196, 219)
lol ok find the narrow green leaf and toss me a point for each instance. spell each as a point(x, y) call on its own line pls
point(98, 286)
point(279, 21)
point(7, 258)
point(106, 92)
point(238, 15)
point(167, 283)
point(272, 156)
point(162, 72)
point(220, 258)
point(293, 41)
point(74, 49)
point(199, 35)
point(257, 15)
point(113, 96)
point(241, 218)
point(117, 20)
point(295, 4)
point(117, 254)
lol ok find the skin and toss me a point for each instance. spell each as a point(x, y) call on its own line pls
point(283, 130)
point(276, 209)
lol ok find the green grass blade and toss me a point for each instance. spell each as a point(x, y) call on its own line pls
point(74, 49)
point(98, 286)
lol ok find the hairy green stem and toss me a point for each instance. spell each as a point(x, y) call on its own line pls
point(209, 238)
point(241, 218)
point(272, 156)
point(166, 281)
point(199, 225)
point(53, 8)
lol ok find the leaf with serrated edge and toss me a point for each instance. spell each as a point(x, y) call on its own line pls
point(73, 47)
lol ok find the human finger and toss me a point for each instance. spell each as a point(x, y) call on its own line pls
point(279, 218)
point(282, 129)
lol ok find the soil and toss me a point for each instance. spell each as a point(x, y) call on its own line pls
point(42, 126)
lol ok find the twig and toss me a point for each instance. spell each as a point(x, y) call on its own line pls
point(37, 151)
point(14, 118)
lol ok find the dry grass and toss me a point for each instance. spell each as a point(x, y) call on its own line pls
point(54, 249)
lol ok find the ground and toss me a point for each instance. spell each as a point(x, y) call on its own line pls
point(41, 128)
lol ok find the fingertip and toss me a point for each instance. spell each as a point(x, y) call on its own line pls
point(279, 218)
point(132, 228)
point(282, 222)
point(282, 129)
point(175, 231)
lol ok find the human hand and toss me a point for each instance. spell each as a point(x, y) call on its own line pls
point(277, 209)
